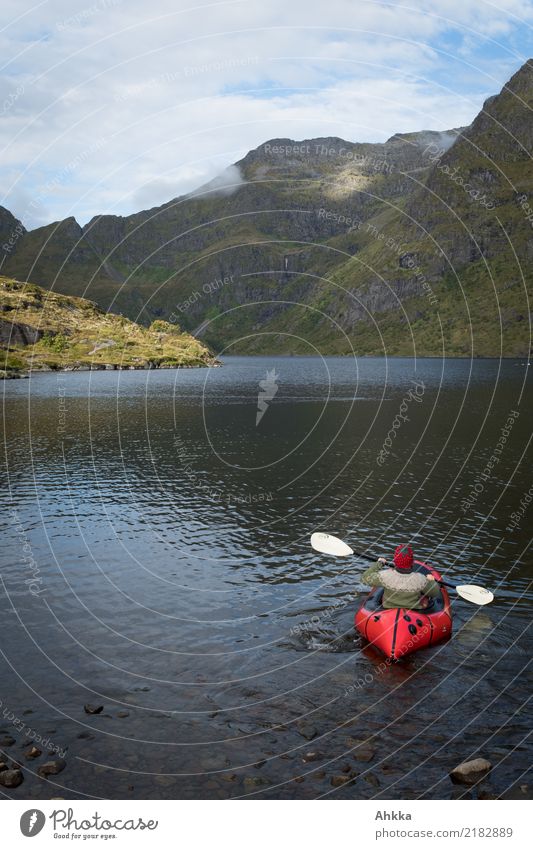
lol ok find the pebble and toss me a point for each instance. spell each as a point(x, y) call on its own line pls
point(254, 781)
point(3, 766)
point(364, 754)
point(312, 756)
point(122, 714)
point(340, 780)
point(486, 794)
point(6, 740)
point(32, 752)
point(470, 772)
point(306, 730)
point(85, 735)
point(11, 777)
point(92, 709)
point(372, 779)
point(52, 767)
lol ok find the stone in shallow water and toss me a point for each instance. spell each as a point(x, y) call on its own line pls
point(254, 781)
point(6, 740)
point(312, 756)
point(339, 780)
point(11, 777)
point(362, 751)
point(92, 709)
point(32, 752)
point(52, 767)
point(470, 772)
point(364, 755)
point(306, 730)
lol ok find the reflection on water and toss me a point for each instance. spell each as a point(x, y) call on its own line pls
point(165, 538)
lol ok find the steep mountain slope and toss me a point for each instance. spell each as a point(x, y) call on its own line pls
point(288, 197)
point(419, 245)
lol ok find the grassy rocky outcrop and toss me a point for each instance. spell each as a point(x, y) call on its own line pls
point(42, 330)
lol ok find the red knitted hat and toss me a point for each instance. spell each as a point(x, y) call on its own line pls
point(403, 558)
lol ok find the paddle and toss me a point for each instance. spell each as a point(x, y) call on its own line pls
point(327, 544)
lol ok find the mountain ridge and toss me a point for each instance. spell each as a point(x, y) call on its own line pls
point(358, 233)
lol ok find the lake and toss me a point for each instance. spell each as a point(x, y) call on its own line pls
point(156, 562)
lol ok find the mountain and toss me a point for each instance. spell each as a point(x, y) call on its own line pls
point(42, 330)
point(420, 245)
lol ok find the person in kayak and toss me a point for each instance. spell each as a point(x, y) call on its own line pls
point(402, 586)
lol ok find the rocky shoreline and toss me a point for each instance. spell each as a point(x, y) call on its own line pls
point(12, 375)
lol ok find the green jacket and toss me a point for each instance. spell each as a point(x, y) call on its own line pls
point(401, 590)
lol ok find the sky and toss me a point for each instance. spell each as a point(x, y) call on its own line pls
point(113, 106)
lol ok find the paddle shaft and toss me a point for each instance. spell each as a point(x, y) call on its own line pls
point(374, 559)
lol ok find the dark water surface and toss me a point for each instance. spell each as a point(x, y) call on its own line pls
point(173, 582)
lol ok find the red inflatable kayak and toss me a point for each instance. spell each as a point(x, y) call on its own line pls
point(398, 631)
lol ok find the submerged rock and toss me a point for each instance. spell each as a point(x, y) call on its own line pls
point(92, 709)
point(6, 740)
point(306, 730)
point(340, 780)
point(364, 753)
point(11, 777)
point(470, 772)
point(312, 756)
point(32, 752)
point(52, 767)
point(254, 781)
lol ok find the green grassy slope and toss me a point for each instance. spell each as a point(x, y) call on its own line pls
point(42, 330)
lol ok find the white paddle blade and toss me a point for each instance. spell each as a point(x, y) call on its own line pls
point(327, 544)
point(477, 595)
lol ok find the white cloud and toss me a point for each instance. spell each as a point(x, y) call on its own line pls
point(122, 105)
